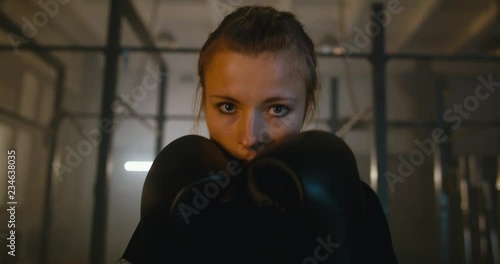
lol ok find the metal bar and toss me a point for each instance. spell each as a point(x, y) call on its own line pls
point(160, 118)
point(440, 176)
point(136, 115)
point(393, 56)
point(434, 57)
point(353, 121)
point(14, 31)
point(334, 105)
point(25, 121)
point(87, 115)
point(474, 208)
point(58, 48)
point(149, 49)
point(129, 12)
point(490, 188)
point(463, 171)
point(163, 49)
point(434, 124)
point(78, 48)
point(414, 124)
point(98, 236)
point(461, 134)
point(493, 254)
point(379, 61)
point(55, 124)
point(12, 28)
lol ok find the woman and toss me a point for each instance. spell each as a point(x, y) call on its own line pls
point(258, 79)
point(259, 191)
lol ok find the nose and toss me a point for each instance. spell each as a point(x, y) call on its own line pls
point(250, 126)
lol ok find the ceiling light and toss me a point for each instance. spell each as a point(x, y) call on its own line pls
point(137, 165)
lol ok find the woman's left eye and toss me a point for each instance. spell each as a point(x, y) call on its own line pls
point(279, 110)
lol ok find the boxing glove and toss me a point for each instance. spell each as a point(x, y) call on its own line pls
point(190, 209)
point(308, 187)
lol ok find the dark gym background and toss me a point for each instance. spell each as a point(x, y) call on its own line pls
point(87, 85)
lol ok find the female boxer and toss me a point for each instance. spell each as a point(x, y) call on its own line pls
point(260, 190)
point(258, 80)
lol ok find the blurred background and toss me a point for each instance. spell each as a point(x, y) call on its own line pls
point(89, 85)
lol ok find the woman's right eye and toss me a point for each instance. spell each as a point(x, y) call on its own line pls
point(226, 108)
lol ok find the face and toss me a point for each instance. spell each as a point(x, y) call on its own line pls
point(252, 102)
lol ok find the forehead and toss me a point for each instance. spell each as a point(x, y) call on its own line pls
point(232, 72)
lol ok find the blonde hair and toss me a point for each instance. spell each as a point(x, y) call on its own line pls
point(254, 30)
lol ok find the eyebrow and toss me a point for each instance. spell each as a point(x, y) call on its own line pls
point(268, 100)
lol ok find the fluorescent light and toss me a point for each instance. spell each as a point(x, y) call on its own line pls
point(137, 165)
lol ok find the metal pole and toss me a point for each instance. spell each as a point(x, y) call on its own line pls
point(142, 32)
point(130, 13)
point(160, 120)
point(441, 174)
point(153, 49)
point(56, 121)
point(12, 28)
point(22, 120)
point(54, 48)
point(98, 239)
point(435, 57)
point(334, 106)
point(379, 60)
point(474, 209)
point(463, 171)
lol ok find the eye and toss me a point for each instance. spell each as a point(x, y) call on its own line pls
point(226, 108)
point(279, 110)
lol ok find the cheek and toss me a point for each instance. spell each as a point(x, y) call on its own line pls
point(217, 126)
point(212, 123)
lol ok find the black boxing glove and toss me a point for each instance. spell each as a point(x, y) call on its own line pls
point(190, 209)
point(309, 188)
